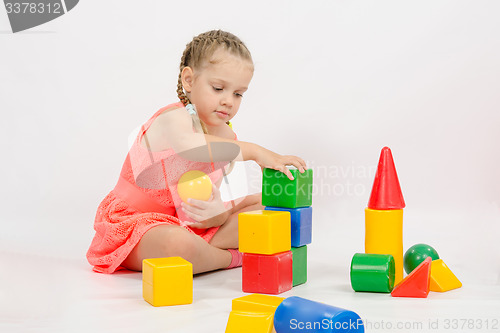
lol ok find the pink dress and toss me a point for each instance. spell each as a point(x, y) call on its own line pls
point(130, 210)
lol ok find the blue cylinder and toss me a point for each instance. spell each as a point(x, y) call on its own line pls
point(297, 314)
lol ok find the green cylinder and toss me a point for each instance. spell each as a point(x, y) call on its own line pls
point(372, 272)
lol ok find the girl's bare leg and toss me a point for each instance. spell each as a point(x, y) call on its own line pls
point(172, 241)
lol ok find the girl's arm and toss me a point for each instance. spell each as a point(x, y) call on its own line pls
point(178, 133)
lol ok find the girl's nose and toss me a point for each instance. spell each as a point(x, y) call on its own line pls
point(227, 100)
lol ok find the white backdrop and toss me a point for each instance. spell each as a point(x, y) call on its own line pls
point(334, 82)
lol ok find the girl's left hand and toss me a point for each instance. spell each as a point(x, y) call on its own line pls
point(207, 214)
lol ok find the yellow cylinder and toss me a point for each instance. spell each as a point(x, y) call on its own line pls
point(384, 235)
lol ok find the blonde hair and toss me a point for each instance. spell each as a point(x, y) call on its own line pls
point(199, 51)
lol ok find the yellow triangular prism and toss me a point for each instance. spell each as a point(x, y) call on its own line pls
point(442, 278)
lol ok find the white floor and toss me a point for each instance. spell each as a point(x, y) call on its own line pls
point(44, 292)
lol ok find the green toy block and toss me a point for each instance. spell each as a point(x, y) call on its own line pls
point(279, 191)
point(372, 272)
point(299, 265)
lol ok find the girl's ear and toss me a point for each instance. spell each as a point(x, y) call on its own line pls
point(187, 77)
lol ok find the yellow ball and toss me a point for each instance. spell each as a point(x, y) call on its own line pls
point(194, 184)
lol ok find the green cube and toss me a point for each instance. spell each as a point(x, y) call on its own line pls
point(279, 191)
point(299, 265)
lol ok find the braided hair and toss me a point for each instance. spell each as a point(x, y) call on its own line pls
point(200, 50)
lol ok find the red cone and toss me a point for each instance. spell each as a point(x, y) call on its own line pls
point(386, 192)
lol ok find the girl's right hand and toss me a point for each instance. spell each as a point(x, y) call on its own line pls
point(268, 159)
point(207, 214)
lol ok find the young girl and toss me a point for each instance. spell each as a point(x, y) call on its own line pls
point(138, 219)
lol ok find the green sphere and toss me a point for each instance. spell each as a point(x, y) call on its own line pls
point(416, 254)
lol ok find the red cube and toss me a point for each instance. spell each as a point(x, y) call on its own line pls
point(267, 274)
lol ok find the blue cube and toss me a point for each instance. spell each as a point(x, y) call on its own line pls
point(301, 224)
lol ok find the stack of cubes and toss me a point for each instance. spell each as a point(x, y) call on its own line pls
point(274, 241)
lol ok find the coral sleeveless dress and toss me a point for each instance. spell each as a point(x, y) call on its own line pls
point(130, 210)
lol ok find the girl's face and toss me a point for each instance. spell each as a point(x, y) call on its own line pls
point(217, 88)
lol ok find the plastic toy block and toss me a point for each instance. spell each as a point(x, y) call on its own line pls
point(264, 232)
point(416, 284)
point(384, 235)
point(386, 191)
point(253, 313)
point(250, 322)
point(299, 265)
point(442, 278)
point(297, 314)
point(167, 281)
point(279, 191)
point(416, 254)
point(372, 272)
point(256, 303)
point(267, 274)
point(301, 224)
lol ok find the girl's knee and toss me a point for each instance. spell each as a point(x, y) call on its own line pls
point(161, 242)
point(178, 242)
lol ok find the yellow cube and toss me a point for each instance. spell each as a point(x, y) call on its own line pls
point(253, 313)
point(264, 231)
point(167, 281)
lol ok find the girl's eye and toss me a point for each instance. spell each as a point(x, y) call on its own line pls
point(239, 95)
point(217, 89)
